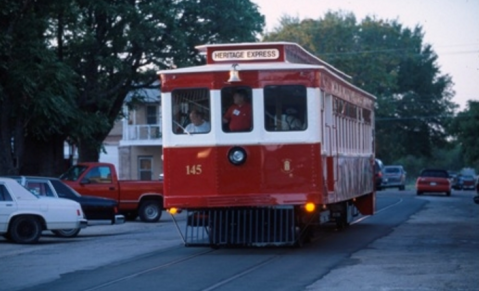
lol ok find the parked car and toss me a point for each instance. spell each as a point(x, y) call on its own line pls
point(452, 177)
point(135, 198)
point(433, 180)
point(394, 177)
point(24, 215)
point(476, 198)
point(456, 181)
point(468, 182)
point(378, 174)
point(94, 208)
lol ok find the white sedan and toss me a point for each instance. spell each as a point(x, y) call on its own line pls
point(23, 215)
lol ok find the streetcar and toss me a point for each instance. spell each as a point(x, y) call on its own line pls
point(264, 143)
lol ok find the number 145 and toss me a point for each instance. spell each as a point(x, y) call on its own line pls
point(193, 170)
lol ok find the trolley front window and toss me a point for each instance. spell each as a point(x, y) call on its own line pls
point(285, 108)
point(237, 109)
point(191, 111)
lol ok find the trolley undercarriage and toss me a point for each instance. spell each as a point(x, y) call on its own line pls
point(259, 226)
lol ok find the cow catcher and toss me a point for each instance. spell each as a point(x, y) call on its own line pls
point(263, 143)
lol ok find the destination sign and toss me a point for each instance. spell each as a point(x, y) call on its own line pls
point(245, 55)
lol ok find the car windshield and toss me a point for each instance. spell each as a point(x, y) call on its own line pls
point(73, 173)
point(468, 178)
point(391, 170)
point(434, 174)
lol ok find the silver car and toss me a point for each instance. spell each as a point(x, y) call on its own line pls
point(394, 177)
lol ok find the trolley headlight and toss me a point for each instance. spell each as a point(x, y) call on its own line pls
point(310, 207)
point(237, 156)
point(174, 210)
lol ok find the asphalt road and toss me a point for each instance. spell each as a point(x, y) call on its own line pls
point(411, 243)
point(436, 249)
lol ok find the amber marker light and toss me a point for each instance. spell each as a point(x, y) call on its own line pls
point(310, 207)
point(173, 210)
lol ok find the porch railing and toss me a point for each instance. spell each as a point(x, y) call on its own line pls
point(142, 132)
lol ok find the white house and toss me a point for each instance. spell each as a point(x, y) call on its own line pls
point(134, 145)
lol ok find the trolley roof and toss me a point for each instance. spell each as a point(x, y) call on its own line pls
point(281, 53)
point(253, 52)
point(260, 56)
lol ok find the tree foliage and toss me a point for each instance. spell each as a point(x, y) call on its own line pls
point(391, 62)
point(67, 66)
point(115, 46)
point(465, 129)
point(35, 88)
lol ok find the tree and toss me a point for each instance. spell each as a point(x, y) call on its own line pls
point(116, 46)
point(67, 66)
point(464, 127)
point(391, 62)
point(35, 89)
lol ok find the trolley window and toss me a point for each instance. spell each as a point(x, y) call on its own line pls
point(285, 108)
point(191, 111)
point(237, 109)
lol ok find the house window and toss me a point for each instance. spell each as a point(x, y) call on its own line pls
point(145, 168)
point(151, 114)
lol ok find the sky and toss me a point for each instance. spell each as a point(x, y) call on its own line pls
point(451, 27)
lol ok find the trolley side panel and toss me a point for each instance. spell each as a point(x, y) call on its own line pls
point(272, 175)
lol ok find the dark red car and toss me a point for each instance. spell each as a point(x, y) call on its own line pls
point(433, 181)
point(468, 182)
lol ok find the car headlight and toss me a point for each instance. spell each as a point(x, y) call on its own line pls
point(237, 156)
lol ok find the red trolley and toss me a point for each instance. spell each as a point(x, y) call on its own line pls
point(263, 143)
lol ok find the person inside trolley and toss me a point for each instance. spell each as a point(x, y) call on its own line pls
point(291, 120)
point(239, 114)
point(198, 124)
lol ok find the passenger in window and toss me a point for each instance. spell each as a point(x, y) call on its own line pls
point(198, 124)
point(291, 120)
point(239, 115)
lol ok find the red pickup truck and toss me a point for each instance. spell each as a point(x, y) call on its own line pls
point(135, 198)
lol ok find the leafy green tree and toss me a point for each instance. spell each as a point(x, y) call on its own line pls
point(115, 46)
point(391, 62)
point(66, 66)
point(464, 127)
point(35, 88)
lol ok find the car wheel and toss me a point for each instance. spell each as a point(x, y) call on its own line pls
point(7, 236)
point(402, 188)
point(448, 193)
point(150, 210)
point(25, 230)
point(418, 193)
point(66, 232)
